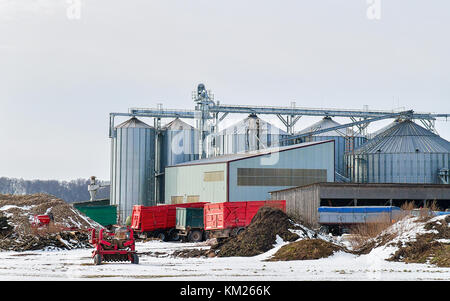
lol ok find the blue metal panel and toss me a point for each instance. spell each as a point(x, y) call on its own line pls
point(355, 215)
point(358, 209)
point(311, 156)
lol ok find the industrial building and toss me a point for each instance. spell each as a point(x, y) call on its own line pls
point(251, 175)
point(178, 162)
point(304, 201)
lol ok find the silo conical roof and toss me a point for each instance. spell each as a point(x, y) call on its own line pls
point(326, 123)
point(405, 137)
point(177, 125)
point(253, 122)
point(133, 123)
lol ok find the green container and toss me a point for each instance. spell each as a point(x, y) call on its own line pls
point(189, 218)
point(104, 215)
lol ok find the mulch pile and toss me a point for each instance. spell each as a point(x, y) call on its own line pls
point(306, 249)
point(17, 233)
point(48, 241)
point(260, 236)
point(193, 253)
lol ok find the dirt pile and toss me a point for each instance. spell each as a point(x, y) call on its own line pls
point(193, 253)
point(413, 240)
point(260, 236)
point(306, 249)
point(49, 241)
point(431, 247)
point(5, 227)
point(18, 234)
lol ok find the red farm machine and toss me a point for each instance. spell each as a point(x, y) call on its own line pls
point(118, 245)
point(41, 220)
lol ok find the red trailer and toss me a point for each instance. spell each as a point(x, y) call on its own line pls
point(230, 218)
point(158, 221)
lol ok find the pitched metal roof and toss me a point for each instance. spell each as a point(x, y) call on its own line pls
point(244, 155)
point(405, 137)
point(133, 123)
point(252, 122)
point(326, 123)
point(177, 125)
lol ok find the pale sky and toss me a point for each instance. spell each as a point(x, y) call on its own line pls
point(62, 75)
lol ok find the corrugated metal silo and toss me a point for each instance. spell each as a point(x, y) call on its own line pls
point(179, 144)
point(132, 166)
point(346, 140)
point(250, 134)
point(404, 153)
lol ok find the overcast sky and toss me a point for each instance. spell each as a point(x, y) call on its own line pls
point(63, 70)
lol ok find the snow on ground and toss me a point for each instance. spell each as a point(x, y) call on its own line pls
point(406, 230)
point(156, 264)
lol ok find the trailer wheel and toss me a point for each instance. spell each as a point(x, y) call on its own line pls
point(135, 259)
point(324, 230)
point(195, 236)
point(97, 259)
point(174, 235)
point(162, 236)
point(236, 231)
point(239, 231)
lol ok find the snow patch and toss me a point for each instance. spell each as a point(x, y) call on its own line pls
point(405, 230)
point(7, 207)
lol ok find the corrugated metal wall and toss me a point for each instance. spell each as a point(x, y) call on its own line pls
point(133, 167)
point(179, 144)
point(397, 168)
point(250, 134)
point(302, 204)
point(201, 183)
point(315, 157)
point(403, 153)
point(341, 146)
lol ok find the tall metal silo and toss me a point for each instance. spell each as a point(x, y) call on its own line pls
point(252, 133)
point(132, 166)
point(179, 144)
point(346, 140)
point(404, 153)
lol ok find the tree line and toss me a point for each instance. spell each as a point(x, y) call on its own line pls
point(70, 191)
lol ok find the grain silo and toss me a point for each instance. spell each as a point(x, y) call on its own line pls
point(179, 144)
point(132, 166)
point(252, 133)
point(403, 153)
point(346, 140)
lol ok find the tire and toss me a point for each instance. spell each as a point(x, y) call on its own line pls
point(97, 259)
point(135, 259)
point(162, 236)
point(324, 230)
point(239, 231)
point(195, 236)
point(236, 231)
point(174, 235)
